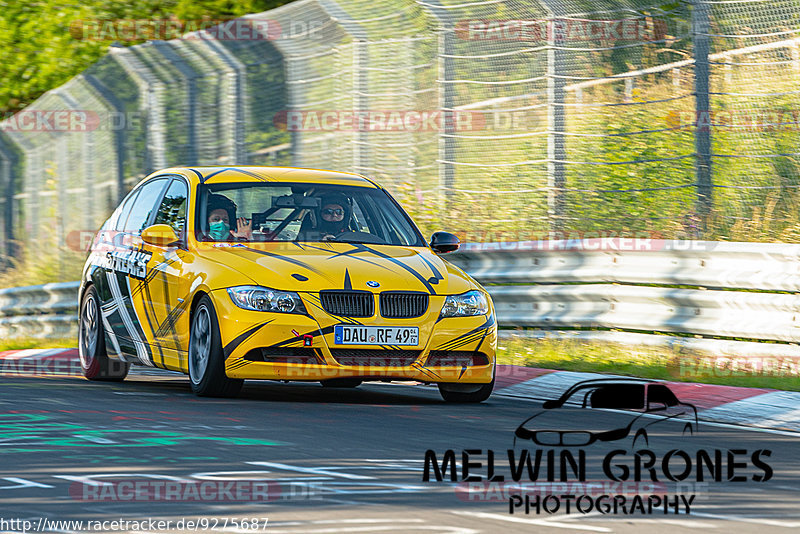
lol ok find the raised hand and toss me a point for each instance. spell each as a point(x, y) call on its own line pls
point(244, 229)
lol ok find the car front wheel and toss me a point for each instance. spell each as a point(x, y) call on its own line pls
point(95, 363)
point(206, 360)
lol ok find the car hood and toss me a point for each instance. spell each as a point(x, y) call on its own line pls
point(316, 266)
point(580, 419)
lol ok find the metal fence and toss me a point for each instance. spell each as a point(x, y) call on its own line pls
point(724, 298)
point(621, 116)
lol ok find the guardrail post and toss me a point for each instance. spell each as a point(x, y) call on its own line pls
point(64, 174)
point(8, 161)
point(700, 30)
point(556, 116)
point(235, 98)
point(189, 76)
point(360, 102)
point(360, 89)
point(108, 97)
point(152, 104)
point(447, 143)
point(445, 73)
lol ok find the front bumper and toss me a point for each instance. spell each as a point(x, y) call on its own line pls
point(244, 333)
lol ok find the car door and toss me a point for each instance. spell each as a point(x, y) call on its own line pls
point(103, 248)
point(166, 286)
point(126, 269)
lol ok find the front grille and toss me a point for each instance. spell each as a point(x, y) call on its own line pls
point(348, 303)
point(456, 358)
point(376, 358)
point(400, 305)
point(297, 355)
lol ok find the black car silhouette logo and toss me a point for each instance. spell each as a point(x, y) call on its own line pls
point(624, 407)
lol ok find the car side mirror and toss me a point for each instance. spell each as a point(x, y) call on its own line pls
point(443, 242)
point(160, 235)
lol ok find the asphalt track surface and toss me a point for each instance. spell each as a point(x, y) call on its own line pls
point(337, 460)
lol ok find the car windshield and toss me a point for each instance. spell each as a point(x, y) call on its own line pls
point(612, 396)
point(302, 213)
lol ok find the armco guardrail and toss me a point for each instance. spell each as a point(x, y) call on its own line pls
point(730, 290)
point(573, 288)
point(45, 311)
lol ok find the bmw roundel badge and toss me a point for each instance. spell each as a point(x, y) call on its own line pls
point(373, 283)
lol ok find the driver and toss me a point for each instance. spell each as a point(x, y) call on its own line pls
point(221, 211)
point(334, 216)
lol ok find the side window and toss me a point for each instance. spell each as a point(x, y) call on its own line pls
point(124, 210)
point(143, 206)
point(659, 394)
point(173, 208)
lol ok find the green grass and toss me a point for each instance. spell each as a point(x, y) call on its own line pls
point(645, 362)
point(42, 263)
point(34, 343)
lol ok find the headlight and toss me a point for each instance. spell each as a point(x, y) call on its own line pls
point(259, 298)
point(467, 304)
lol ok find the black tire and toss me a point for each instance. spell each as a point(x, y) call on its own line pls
point(449, 394)
point(641, 433)
point(206, 360)
point(341, 383)
point(95, 363)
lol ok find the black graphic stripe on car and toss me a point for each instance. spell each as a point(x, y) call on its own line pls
point(241, 338)
point(360, 247)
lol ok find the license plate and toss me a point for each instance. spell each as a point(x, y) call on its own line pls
point(375, 335)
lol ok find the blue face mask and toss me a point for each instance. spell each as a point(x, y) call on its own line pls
point(219, 230)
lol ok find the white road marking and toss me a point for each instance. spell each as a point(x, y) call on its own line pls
point(94, 439)
point(401, 526)
point(342, 521)
point(325, 471)
point(22, 354)
point(139, 393)
point(756, 520)
point(24, 483)
point(550, 523)
point(688, 523)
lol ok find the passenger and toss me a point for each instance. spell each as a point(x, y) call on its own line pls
point(334, 216)
point(222, 210)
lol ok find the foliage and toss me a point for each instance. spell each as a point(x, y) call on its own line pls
point(40, 50)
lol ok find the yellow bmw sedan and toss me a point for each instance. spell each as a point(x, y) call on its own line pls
point(270, 273)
